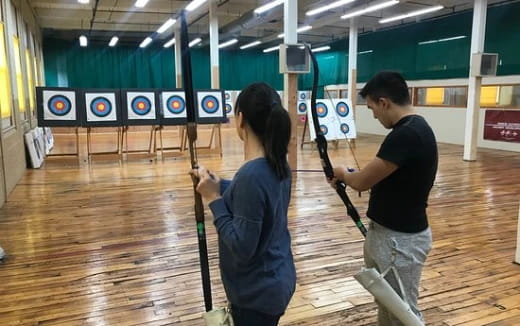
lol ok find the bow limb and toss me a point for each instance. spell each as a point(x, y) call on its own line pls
point(321, 143)
point(192, 138)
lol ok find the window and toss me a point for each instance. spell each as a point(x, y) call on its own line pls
point(441, 96)
point(360, 100)
point(504, 96)
point(6, 104)
point(30, 82)
point(19, 78)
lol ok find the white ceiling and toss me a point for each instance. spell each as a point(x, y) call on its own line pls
point(68, 19)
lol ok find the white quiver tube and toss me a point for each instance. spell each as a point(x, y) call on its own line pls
point(385, 295)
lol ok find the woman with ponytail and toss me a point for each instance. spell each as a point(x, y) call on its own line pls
point(250, 212)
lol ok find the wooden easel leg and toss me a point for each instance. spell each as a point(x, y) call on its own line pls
point(219, 136)
point(306, 124)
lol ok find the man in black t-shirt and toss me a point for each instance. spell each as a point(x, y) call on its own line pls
point(400, 178)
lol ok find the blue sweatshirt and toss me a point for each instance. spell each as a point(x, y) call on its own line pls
point(256, 263)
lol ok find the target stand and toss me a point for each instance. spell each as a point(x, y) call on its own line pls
point(169, 151)
point(139, 108)
point(106, 154)
point(215, 137)
point(172, 109)
point(75, 153)
point(140, 152)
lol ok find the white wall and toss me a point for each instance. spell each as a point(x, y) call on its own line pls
point(447, 123)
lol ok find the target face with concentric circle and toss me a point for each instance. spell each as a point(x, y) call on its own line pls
point(342, 109)
point(303, 96)
point(227, 96)
point(344, 128)
point(175, 104)
point(210, 104)
point(100, 106)
point(141, 105)
point(302, 107)
point(59, 105)
point(324, 129)
point(322, 110)
point(229, 108)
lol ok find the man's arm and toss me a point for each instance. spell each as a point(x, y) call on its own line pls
point(375, 171)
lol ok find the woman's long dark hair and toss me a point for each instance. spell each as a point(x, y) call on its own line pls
point(262, 110)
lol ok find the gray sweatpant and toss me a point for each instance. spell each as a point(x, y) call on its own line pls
point(407, 253)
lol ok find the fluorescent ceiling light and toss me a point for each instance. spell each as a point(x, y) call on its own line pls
point(411, 14)
point(195, 42)
point(363, 11)
point(443, 39)
point(169, 43)
point(169, 23)
point(328, 7)
point(194, 4)
point(320, 49)
point(83, 1)
point(365, 52)
point(83, 40)
point(141, 3)
point(299, 30)
point(250, 45)
point(274, 48)
point(268, 6)
point(452, 38)
point(113, 41)
point(228, 43)
point(145, 42)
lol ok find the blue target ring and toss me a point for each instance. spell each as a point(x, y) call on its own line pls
point(141, 105)
point(175, 104)
point(210, 104)
point(302, 107)
point(324, 129)
point(303, 96)
point(344, 128)
point(322, 109)
point(342, 109)
point(227, 96)
point(59, 105)
point(229, 108)
point(100, 106)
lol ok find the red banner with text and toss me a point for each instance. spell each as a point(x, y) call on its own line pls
point(502, 125)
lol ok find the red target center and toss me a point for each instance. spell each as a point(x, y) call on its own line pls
point(59, 105)
point(211, 105)
point(321, 110)
point(141, 105)
point(176, 104)
point(101, 107)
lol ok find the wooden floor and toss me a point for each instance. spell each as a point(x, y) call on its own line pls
point(114, 243)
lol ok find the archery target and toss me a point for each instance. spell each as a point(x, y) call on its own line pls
point(173, 104)
point(324, 130)
point(303, 96)
point(100, 107)
point(59, 105)
point(302, 107)
point(335, 118)
point(229, 109)
point(342, 109)
point(210, 106)
point(229, 97)
point(345, 119)
point(141, 105)
point(322, 109)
